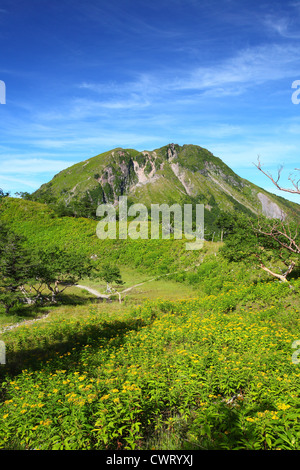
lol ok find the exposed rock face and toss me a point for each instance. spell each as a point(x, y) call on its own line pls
point(172, 154)
point(140, 170)
point(171, 174)
point(270, 208)
point(116, 179)
point(181, 176)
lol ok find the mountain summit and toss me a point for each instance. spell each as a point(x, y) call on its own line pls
point(170, 174)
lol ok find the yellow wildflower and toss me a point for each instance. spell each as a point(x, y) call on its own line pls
point(283, 406)
point(105, 397)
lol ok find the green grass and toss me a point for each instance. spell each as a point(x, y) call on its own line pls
point(41, 227)
point(80, 299)
point(199, 359)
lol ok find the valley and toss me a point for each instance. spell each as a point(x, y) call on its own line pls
point(142, 344)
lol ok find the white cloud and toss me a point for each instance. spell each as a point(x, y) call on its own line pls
point(279, 25)
point(285, 26)
point(32, 166)
point(115, 139)
point(250, 67)
point(6, 180)
point(232, 76)
point(244, 154)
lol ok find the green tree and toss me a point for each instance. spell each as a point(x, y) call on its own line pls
point(24, 195)
point(15, 267)
point(26, 275)
point(111, 274)
point(264, 242)
point(59, 269)
point(3, 194)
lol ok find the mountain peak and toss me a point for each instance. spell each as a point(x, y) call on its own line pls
point(170, 174)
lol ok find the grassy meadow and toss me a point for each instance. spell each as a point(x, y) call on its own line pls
point(199, 358)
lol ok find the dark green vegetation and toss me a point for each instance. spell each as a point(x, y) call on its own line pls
point(42, 227)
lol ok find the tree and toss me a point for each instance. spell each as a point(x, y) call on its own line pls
point(268, 242)
point(40, 275)
point(58, 269)
point(24, 195)
point(285, 235)
point(240, 243)
point(261, 242)
point(295, 183)
point(225, 222)
point(15, 267)
point(3, 194)
point(284, 239)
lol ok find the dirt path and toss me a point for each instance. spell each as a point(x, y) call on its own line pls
point(96, 294)
point(104, 296)
point(158, 277)
point(24, 322)
point(93, 291)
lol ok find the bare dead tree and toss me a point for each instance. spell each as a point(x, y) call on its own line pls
point(285, 236)
point(287, 241)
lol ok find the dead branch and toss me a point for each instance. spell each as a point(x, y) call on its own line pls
point(282, 277)
point(275, 182)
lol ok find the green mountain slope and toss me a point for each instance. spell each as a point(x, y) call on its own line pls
point(171, 174)
point(43, 228)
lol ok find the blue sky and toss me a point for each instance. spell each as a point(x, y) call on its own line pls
point(84, 77)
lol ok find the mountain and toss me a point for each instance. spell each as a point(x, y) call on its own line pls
point(170, 174)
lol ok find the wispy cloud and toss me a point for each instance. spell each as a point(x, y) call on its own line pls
point(285, 23)
point(278, 25)
point(30, 166)
point(7, 180)
point(243, 154)
point(249, 67)
point(104, 138)
point(232, 76)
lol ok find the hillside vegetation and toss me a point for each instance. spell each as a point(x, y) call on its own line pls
point(216, 368)
point(187, 174)
point(42, 227)
point(209, 373)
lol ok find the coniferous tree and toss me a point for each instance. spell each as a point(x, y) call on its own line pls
point(15, 267)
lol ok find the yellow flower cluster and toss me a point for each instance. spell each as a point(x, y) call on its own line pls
point(283, 406)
